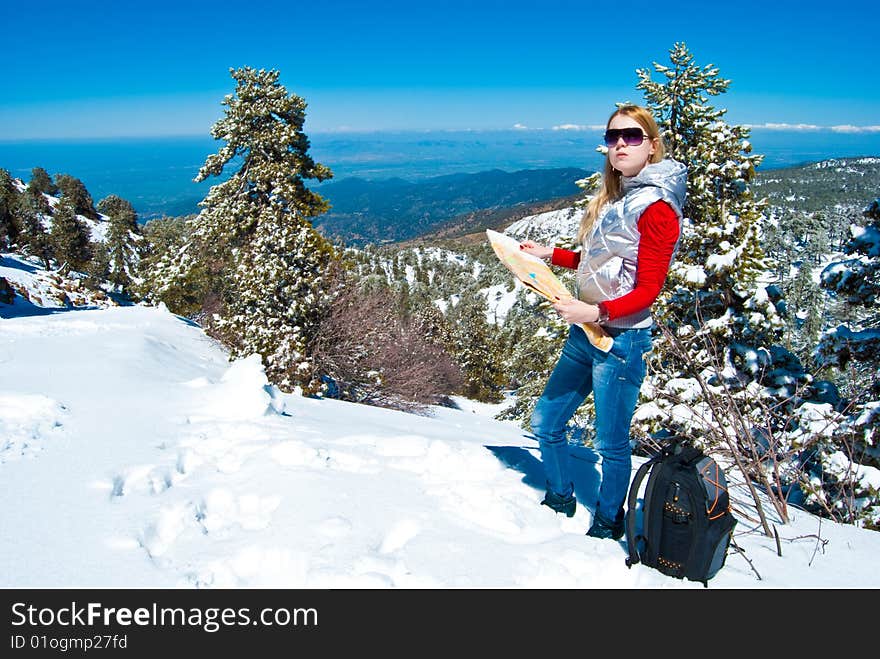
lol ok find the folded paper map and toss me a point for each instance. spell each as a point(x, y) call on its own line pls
point(534, 273)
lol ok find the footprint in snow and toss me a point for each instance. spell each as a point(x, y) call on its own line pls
point(221, 508)
point(146, 478)
point(160, 535)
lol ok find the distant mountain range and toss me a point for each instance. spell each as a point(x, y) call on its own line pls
point(394, 210)
point(454, 206)
point(844, 186)
point(156, 174)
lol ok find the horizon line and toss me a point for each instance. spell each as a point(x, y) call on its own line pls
point(518, 127)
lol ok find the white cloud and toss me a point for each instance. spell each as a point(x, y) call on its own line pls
point(783, 126)
point(845, 128)
point(520, 127)
point(856, 129)
point(579, 127)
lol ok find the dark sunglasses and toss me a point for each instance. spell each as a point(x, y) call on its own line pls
point(631, 136)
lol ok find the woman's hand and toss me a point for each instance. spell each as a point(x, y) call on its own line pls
point(574, 311)
point(533, 248)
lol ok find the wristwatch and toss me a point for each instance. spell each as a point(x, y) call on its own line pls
point(603, 313)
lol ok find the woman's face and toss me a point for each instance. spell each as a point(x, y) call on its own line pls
point(629, 160)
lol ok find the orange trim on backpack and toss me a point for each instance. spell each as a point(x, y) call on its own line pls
point(715, 483)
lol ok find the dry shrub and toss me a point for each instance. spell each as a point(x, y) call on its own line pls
point(367, 350)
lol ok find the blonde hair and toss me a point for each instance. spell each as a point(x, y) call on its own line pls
point(610, 189)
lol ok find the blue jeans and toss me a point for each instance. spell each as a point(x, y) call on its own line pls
point(614, 378)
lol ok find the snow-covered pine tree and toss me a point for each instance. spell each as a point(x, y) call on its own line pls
point(857, 281)
point(70, 238)
point(123, 241)
point(41, 180)
point(842, 483)
point(171, 271)
point(798, 241)
point(97, 270)
point(9, 228)
point(427, 317)
point(715, 274)
point(279, 296)
point(75, 192)
point(804, 305)
point(476, 348)
point(33, 207)
point(256, 225)
point(726, 328)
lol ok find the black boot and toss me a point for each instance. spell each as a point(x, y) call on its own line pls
point(561, 504)
point(605, 528)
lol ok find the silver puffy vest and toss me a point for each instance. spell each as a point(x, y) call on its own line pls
point(607, 268)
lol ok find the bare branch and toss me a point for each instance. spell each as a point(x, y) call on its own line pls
point(742, 552)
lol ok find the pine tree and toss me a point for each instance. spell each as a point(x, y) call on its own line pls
point(843, 436)
point(713, 282)
point(9, 224)
point(816, 241)
point(421, 275)
point(718, 375)
point(74, 191)
point(37, 201)
point(427, 316)
point(804, 303)
point(97, 270)
point(779, 246)
point(33, 209)
point(41, 181)
point(476, 349)
point(279, 296)
point(70, 238)
point(720, 255)
point(171, 270)
point(123, 241)
point(256, 226)
point(857, 281)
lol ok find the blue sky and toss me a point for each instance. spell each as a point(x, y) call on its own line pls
point(106, 69)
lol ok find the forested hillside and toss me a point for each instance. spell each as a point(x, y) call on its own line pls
point(821, 185)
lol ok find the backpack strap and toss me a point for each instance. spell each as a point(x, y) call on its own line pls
point(631, 539)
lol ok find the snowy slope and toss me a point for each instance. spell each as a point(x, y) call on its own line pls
point(97, 228)
point(547, 227)
point(133, 454)
point(39, 291)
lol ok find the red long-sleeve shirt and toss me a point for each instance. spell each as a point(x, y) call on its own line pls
point(658, 229)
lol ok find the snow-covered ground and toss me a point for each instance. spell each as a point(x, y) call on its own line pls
point(40, 291)
point(547, 227)
point(133, 454)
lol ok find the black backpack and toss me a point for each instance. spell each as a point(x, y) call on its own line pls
point(687, 525)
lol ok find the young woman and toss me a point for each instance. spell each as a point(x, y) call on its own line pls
point(628, 235)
